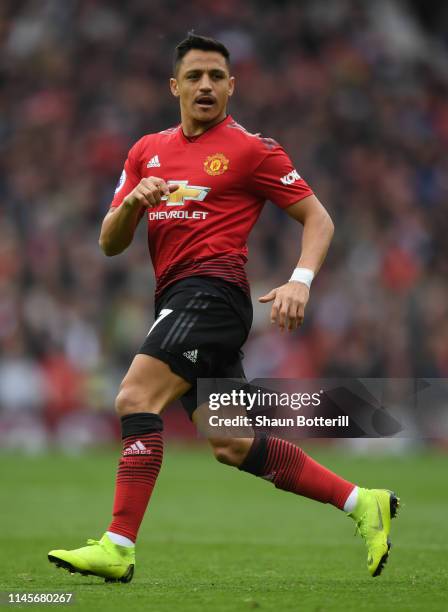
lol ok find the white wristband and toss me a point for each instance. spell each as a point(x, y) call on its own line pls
point(303, 275)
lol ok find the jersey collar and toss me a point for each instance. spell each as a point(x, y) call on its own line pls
point(205, 134)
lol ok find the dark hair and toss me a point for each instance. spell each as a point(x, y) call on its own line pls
point(198, 42)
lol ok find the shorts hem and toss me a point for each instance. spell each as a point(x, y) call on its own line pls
point(173, 361)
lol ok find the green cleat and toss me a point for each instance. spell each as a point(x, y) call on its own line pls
point(374, 510)
point(99, 558)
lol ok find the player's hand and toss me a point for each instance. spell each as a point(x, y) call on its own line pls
point(149, 192)
point(288, 309)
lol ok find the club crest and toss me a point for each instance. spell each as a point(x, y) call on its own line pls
point(216, 164)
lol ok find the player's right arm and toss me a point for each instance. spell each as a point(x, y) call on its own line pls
point(119, 224)
point(133, 195)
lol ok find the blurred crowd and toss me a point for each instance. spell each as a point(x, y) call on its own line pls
point(355, 91)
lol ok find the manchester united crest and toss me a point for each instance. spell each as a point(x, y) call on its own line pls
point(216, 164)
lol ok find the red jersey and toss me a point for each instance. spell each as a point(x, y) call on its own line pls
point(225, 176)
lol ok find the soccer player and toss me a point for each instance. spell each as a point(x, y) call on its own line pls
point(201, 186)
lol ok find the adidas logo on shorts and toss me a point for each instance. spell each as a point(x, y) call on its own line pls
point(191, 355)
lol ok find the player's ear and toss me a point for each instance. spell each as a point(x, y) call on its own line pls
point(174, 87)
point(231, 85)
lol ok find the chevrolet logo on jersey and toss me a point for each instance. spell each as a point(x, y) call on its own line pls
point(185, 192)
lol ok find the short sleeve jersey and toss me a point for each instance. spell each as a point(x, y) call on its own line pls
point(225, 175)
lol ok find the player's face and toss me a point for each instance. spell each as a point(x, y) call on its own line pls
point(203, 85)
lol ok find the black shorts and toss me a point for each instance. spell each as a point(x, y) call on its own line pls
point(201, 324)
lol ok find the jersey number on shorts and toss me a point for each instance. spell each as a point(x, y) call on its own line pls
point(163, 313)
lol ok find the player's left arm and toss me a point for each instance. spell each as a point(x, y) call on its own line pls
point(290, 299)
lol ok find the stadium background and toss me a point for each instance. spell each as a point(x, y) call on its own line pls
point(357, 94)
point(355, 91)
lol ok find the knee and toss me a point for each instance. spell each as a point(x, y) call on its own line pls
point(231, 451)
point(129, 400)
point(223, 454)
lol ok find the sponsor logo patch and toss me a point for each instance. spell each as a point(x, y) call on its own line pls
point(158, 215)
point(185, 192)
point(290, 178)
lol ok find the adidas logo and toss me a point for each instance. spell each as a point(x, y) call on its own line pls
point(138, 448)
point(153, 162)
point(191, 355)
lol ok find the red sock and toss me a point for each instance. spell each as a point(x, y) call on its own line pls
point(291, 469)
point(138, 469)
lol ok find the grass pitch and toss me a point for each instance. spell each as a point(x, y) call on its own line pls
point(215, 539)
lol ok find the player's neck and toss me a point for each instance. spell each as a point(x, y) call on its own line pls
point(192, 128)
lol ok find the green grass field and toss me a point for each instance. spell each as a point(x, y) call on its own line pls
point(215, 539)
